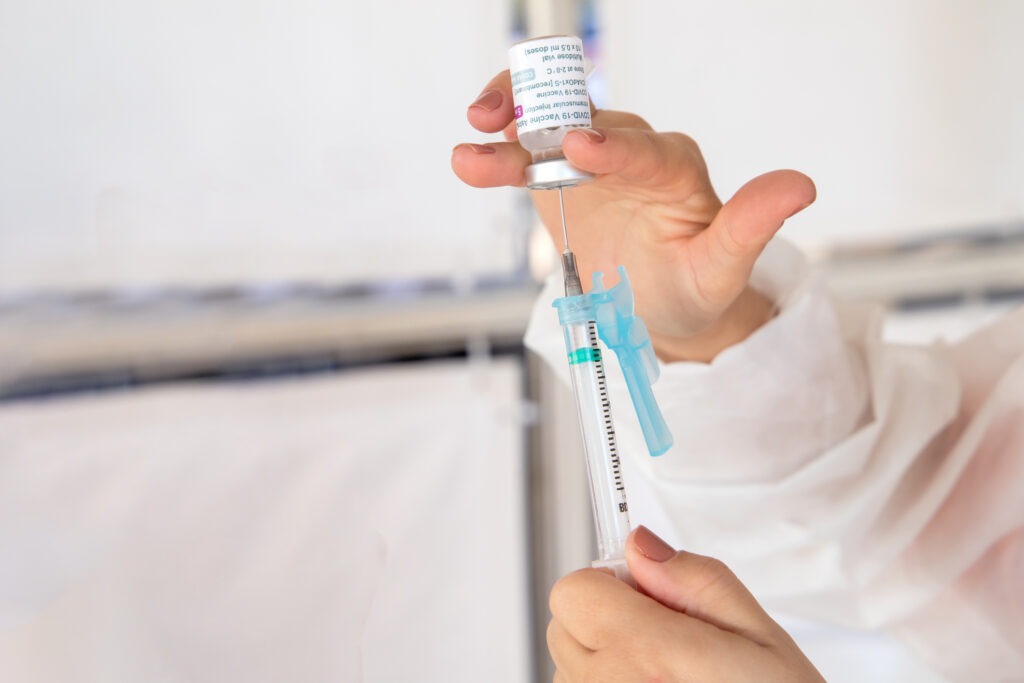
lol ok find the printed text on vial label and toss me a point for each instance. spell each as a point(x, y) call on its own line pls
point(554, 92)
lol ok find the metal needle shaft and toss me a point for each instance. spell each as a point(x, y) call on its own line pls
point(561, 207)
point(570, 274)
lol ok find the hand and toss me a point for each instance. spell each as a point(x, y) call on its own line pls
point(690, 619)
point(652, 209)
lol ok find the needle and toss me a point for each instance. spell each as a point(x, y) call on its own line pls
point(570, 274)
point(561, 206)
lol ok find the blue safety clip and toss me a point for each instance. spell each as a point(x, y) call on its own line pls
point(627, 336)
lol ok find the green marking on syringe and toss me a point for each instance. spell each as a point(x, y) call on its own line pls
point(584, 355)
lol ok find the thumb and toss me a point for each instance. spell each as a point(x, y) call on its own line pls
point(701, 587)
point(732, 242)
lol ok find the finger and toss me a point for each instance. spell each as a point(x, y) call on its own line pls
point(726, 251)
point(639, 157)
point(492, 165)
point(623, 632)
point(509, 132)
point(610, 118)
point(701, 587)
point(569, 656)
point(598, 610)
point(601, 117)
point(492, 109)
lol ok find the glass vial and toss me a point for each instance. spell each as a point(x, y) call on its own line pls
point(549, 93)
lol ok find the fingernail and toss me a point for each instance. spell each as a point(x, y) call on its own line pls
point(481, 149)
point(489, 100)
point(652, 547)
point(593, 134)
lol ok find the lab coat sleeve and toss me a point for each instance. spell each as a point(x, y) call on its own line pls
point(842, 478)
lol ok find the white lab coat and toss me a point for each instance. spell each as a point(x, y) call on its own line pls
point(843, 479)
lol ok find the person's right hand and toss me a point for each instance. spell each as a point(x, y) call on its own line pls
point(651, 208)
point(690, 620)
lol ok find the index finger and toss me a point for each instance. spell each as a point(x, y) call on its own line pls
point(492, 109)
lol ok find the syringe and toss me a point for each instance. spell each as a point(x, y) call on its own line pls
point(590, 387)
point(608, 314)
point(570, 273)
point(600, 313)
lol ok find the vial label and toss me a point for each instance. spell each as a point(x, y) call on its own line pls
point(549, 87)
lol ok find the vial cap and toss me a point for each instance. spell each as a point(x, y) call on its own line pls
point(553, 174)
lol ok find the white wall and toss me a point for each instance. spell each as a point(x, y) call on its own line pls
point(908, 113)
point(207, 141)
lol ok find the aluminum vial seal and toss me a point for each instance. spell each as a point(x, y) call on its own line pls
point(550, 98)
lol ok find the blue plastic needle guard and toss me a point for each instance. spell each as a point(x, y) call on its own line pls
point(627, 336)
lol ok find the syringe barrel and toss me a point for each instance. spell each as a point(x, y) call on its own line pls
point(604, 468)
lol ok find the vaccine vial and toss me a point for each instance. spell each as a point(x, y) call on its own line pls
point(549, 93)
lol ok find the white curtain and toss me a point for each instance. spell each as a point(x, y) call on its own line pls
point(363, 527)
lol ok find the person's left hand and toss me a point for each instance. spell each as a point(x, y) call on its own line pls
point(652, 209)
point(690, 620)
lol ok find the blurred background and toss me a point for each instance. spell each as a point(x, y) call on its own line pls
point(264, 409)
